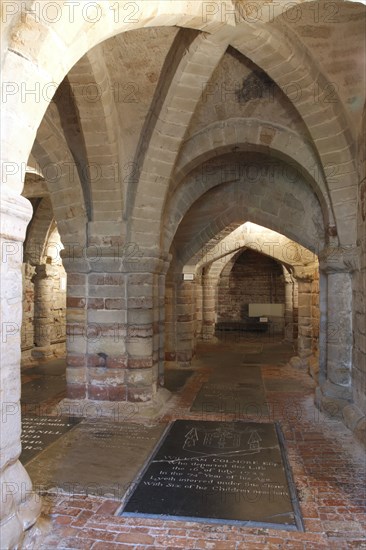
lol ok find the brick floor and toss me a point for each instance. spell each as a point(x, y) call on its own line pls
point(328, 466)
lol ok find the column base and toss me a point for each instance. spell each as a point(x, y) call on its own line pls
point(21, 516)
point(122, 411)
point(355, 420)
point(314, 367)
point(209, 338)
point(33, 537)
point(336, 402)
point(43, 353)
point(331, 399)
point(299, 362)
point(184, 358)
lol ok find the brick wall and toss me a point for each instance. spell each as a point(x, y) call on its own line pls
point(254, 278)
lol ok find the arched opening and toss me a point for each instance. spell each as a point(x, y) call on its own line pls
point(43, 332)
point(44, 296)
point(246, 284)
point(158, 145)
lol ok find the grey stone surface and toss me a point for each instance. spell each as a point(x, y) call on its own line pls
point(244, 394)
point(96, 458)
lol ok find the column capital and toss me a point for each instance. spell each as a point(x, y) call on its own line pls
point(43, 271)
point(15, 214)
point(29, 270)
point(127, 258)
point(208, 278)
point(288, 278)
point(342, 259)
point(304, 273)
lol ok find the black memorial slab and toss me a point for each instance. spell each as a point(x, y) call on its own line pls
point(38, 432)
point(229, 472)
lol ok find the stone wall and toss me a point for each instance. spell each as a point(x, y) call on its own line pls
point(254, 278)
point(193, 114)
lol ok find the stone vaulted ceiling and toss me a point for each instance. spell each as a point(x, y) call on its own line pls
point(129, 108)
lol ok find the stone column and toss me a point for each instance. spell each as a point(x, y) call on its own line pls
point(296, 309)
point(96, 325)
point(289, 308)
point(28, 309)
point(185, 322)
point(323, 305)
point(339, 328)
point(302, 300)
point(77, 269)
point(336, 389)
point(161, 322)
point(315, 321)
point(145, 294)
point(43, 299)
point(304, 277)
point(209, 307)
point(170, 321)
point(20, 507)
point(315, 312)
point(199, 307)
point(115, 318)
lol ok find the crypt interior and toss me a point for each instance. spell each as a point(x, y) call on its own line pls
point(183, 207)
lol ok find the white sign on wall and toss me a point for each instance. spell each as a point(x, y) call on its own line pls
point(266, 310)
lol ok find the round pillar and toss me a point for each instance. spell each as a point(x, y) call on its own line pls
point(43, 297)
point(209, 304)
point(337, 266)
point(20, 506)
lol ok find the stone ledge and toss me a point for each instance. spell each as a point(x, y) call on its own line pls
point(125, 411)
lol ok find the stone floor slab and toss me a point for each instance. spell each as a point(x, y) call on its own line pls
point(97, 458)
point(219, 472)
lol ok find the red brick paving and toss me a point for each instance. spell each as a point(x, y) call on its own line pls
point(328, 466)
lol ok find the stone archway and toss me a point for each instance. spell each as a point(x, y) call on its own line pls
point(32, 42)
point(186, 321)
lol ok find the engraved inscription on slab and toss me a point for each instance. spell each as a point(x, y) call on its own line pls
point(241, 399)
point(100, 458)
point(40, 431)
point(218, 471)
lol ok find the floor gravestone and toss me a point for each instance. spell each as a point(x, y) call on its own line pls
point(38, 432)
point(100, 458)
point(244, 397)
point(230, 472)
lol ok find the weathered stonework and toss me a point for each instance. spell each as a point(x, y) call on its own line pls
point(159, 143)
point(249, 279)
point(20, 506)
